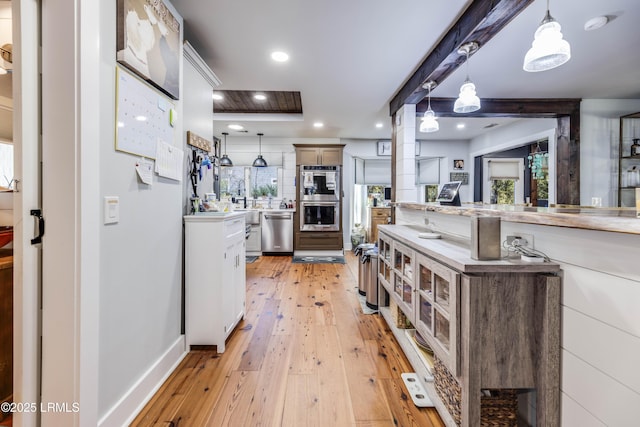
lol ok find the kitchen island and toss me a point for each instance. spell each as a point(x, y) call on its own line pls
point(598, 250)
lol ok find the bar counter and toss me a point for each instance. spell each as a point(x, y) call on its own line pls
point(619, 220)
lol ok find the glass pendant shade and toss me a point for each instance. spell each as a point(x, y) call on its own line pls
point(548, 49)
point(467, 101)
point(225, 160)
point(429, 122)
point(260, 162)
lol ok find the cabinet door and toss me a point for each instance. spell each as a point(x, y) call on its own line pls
point(228, 291)
point(436, 308)
point(307, 156)
point(403, 283)
point(254, 242)
point(331, 156)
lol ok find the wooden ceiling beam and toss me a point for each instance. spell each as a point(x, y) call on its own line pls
point(506, 107)
point(482, 20)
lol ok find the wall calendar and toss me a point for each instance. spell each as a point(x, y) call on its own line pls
point(143, 116)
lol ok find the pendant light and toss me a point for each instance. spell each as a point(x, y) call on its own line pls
point(429, 122)
point(225, 160)
point(259, 162)
point(548, 49)
point(467, 101)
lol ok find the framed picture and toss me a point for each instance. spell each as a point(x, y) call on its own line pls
point(384, 148)
point(458, 164)
point(149, 43)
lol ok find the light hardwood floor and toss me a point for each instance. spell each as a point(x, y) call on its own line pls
point(304, 355)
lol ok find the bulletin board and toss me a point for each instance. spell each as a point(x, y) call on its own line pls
point(143, 116)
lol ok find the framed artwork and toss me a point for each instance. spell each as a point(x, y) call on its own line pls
point(384, 148)
point(149, 43)
point(458, 164)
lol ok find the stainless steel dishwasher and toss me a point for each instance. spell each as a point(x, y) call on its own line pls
point(277, 232)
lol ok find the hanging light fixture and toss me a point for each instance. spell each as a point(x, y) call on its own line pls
point(467, 101)
point(225, 160)
point(429, 122)
point(548, 50)
point(259, 162)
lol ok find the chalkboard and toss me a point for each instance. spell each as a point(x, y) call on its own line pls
point(144, 116)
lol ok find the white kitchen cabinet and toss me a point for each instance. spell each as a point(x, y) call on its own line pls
point(215, 277)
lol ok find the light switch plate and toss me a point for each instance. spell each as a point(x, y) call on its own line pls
point(111, 209)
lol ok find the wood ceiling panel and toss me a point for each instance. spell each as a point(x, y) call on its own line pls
point(242, 101)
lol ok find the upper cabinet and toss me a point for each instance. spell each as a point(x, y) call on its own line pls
point(629, 158)
point(319, 154)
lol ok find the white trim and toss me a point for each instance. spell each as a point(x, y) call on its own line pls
point(198, 63)
point(130, 405)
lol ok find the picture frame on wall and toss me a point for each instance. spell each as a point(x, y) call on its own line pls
point(458, 164)
point(384, 148)
point(149, 43)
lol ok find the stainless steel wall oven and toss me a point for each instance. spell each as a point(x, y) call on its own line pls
point(319, 216)
point(319, 182)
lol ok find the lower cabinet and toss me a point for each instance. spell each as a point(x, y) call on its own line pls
point(215, 277)
point(493, 326)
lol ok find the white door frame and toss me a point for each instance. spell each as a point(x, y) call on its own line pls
point(70, 151)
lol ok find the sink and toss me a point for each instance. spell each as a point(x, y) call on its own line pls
point(252, 216)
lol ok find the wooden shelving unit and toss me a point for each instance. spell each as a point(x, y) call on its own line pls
point(493, 324)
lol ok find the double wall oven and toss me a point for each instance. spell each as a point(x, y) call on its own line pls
point(320, 198)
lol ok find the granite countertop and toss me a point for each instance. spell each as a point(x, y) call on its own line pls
point(620, 220)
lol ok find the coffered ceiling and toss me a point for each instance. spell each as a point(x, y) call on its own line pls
point(348, 60)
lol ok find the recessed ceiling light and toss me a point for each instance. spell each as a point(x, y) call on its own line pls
point(217, 97)
point(461, 126)
point(279, 56)
point(595, 23)
point(259, 97)
point(141, 118)
point(379, 125)
point(235, 127)
point(318, 124)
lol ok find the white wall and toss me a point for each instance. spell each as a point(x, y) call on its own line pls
point(600, 340)
point(448, 151)
point(198, 107)
point(140, 257)
point(599, 139)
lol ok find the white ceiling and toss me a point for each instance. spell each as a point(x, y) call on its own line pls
point(348, 58)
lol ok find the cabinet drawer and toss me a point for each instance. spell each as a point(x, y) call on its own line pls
point(380, 212)
point(233, 226)
point(318, 240)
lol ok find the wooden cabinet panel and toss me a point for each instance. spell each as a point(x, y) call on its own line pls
point(377, 216)
point(330, 155)
point(318, 240)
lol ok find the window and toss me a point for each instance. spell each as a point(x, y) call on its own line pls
point(6, 165)
point(248, 181)
point(505, 181)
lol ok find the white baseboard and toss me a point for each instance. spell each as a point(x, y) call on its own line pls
point(128, 407)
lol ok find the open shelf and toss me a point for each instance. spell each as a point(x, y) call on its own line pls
point(421, 368)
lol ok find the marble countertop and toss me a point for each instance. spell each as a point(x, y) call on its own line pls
point(619, 220)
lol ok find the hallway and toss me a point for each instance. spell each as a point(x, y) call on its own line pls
point(304, 355)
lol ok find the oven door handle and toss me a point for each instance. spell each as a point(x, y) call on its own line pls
point(319, 203)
